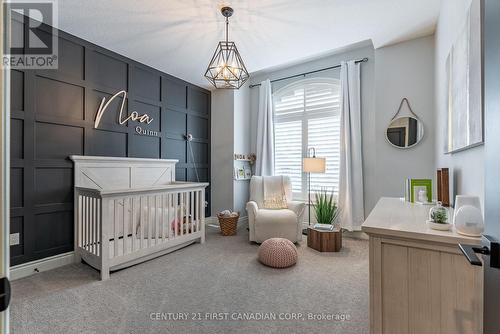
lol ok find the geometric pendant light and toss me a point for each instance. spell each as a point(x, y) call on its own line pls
point(226, 69)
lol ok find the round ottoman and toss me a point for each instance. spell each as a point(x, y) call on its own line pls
point(278, 253)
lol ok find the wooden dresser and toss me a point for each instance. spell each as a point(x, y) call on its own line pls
point(420, 283)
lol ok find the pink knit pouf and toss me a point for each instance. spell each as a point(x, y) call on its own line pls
point(278, 253)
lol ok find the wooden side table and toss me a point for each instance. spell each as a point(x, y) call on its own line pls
point(324, 241)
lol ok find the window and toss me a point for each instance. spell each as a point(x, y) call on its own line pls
point(307, 114)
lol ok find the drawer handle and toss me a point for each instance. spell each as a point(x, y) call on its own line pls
point(470, 253)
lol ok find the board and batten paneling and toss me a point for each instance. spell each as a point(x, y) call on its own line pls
point(52, 117)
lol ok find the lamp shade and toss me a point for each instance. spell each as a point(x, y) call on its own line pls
point(314, 165)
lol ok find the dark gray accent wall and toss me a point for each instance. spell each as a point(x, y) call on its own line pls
point(52, 117)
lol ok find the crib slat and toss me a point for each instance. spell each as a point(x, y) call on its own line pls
point(169, 221)
point(80, 218)
point(132, 241)
point(156, 220)
point(202, 222)
point(84, 225)
point(87, 225)
point(162, 217)
point(126, 220)
point(99, 227)
point(149, 221)
point(142, 220)
point(175, 198)
point(183, 213)
point(192, 211)
point(198, 204)
point(116, 228)
point(91, 221)
point(188, 205)
point(94, 226)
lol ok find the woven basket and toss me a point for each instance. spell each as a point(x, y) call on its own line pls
point(228, 224)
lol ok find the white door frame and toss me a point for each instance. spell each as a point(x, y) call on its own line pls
point(4, 166)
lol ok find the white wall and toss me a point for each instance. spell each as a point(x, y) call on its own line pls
point(241, 144)
point(367, 97)
point(230, 134)
point(391, 73)
point(466, 167)
point(403, 70)
point(222, 150)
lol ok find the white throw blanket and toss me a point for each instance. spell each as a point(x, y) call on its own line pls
point(274, 192)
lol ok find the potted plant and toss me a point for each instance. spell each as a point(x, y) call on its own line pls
point(438, 218)
point(325, 208)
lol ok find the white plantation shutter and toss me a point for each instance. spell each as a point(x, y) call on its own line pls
point(324, 136)
point(307, 114)
point(288, 152)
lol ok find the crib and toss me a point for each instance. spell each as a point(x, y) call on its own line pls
point(129, 210)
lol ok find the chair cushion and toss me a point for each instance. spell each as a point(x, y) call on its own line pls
point(273, 216)
point(275, 224)
point(278, 253)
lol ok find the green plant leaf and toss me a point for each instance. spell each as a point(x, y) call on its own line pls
point(325, 207)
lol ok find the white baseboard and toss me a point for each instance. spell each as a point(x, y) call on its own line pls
point(35, 267)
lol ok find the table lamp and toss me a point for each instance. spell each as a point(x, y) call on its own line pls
point(312, 165)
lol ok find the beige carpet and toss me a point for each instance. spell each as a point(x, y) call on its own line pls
point(219, 286)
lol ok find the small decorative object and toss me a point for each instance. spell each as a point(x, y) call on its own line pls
point(443, 186)
point(252, 157)
point(248, 172)
point(438, 218)
point(468, 218)
point(324, 227)
point(241, 173)
point(413, 186)
point(225, 213)
point(278, 253)
point(228, 222)
point(469, 221)
point(325, 208)
point(226, 69)
point(404, 131)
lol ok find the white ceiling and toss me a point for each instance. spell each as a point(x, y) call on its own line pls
point(180, 36)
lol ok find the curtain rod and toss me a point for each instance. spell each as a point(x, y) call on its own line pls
point(311, 72)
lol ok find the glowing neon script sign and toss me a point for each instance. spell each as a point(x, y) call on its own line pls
point(134, 116)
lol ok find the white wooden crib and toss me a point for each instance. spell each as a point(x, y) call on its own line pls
point(128, 210)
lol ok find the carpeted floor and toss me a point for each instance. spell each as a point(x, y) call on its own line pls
point(219, 286)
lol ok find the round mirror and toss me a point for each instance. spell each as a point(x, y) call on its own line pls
point(405, 132)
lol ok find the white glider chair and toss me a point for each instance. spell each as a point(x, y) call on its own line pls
point(273, 223)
